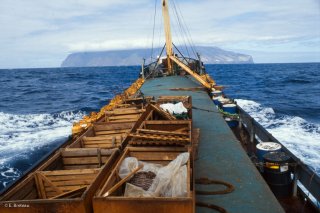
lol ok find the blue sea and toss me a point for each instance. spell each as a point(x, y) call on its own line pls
point(38, 106)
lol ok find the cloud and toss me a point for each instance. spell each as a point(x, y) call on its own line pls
point(41, 33)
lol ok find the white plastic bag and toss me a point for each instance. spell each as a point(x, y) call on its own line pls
point(170, 180)
point(165, 176)
point(178, 184)
point(131, 163)
point(135, 191)
point(177, 108)
point(150, 167)
point(127, 166)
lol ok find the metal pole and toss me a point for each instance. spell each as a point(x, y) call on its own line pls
point(200, 64)
point(142, 68)
point(252, 132)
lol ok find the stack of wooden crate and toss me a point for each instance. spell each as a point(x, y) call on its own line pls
point(157, 137)
point(84, 176)
point(67, 181)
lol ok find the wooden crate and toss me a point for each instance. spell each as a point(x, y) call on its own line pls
point(123, 114)
point(162, 132)
point(80, 158)
point(139, 102)
point(186, 100)
point(114, 129)
point(116, 202)
point(60, 190)
point(104, 135)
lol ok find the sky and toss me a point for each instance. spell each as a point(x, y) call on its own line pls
point(37, 33)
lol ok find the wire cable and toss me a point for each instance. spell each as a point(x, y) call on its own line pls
point(154, 24)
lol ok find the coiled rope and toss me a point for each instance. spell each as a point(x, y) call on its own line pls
point(205, 181)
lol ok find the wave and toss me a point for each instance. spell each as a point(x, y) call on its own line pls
point(302, 138)
point(25, 138)
point(298, 81)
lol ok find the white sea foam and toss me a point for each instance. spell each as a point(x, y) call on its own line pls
point(21, 135)
point(299, 136)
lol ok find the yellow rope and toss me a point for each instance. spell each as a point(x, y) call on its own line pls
point(87, 120)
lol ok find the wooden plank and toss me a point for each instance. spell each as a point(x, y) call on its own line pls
point(194, 74)
point(162, 112)
point(121, 117)
point(112, 126)
point(52, 194)
point(70, 188)
point(70, 172)
point(81, 166)
point(115, 187)
point(145, 205)
point(45, 181)
point(74, 152)
point(159, 132)
point(167, 127)
point(154, 156)
point(64, 189)
point(32, 195)
point(132, 108)
point(175, 122)
point(157, 149)
point(160, 138)
point(70, 183)
point(100, 138)
point(121, 121)
point(113, 177)
point(125, 112)
point(80, 160)
point(104, 159)
point(72, 177)
point(51, 163)
point(93, 151)
point(123, 135)
point(124, 121)
point(71, 193)
point(109, 132)
point(137, 142)
point(27, 186)
point(102, 142)
point(108, 152)
point(99, 157)
point(102, 146)
point(125, 107)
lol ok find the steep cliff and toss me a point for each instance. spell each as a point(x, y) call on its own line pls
point(209, 55)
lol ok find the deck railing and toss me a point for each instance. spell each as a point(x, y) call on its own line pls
point(303, 173)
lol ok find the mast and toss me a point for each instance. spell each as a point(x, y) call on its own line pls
point(171, 57)
point(166, 18)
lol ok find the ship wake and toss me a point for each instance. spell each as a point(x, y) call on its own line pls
point(298, 135)
point(24, 139)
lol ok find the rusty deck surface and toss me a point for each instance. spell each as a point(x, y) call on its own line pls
point(221, 156)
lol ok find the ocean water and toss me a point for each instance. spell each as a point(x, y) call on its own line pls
point(38, 106)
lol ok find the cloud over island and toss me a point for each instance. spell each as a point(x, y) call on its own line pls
point(42, 33)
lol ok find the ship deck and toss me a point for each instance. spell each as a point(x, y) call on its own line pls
point(221, 156)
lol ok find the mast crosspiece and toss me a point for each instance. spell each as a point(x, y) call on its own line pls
point(169, 48)
point(167, 29)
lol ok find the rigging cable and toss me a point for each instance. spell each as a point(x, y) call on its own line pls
point(154, 23)
point(184, 37)
point(186, 29)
